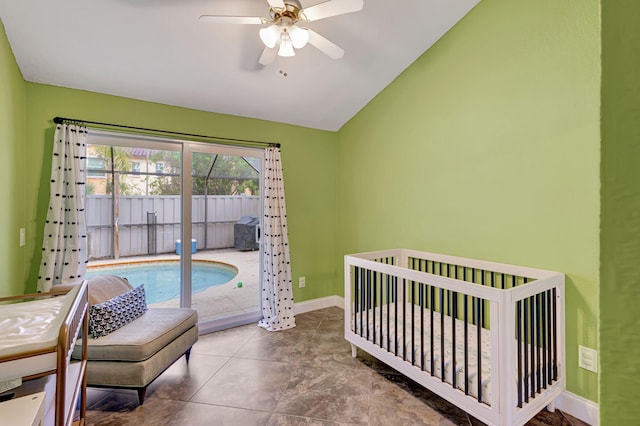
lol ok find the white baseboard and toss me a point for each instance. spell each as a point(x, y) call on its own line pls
point(575, 405)
point(315, 304)
point(579, 407)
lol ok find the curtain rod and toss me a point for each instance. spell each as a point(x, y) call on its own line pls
point(60, 120)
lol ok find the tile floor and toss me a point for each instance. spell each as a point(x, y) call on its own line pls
point(303, 376)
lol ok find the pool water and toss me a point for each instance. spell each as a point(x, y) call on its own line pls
point(162, 279)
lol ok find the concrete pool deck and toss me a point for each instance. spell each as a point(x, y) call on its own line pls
point(219, 301)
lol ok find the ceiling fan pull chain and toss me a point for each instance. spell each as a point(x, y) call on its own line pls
point(283, 71)
point(282, 64)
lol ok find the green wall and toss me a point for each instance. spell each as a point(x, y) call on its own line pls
point(620, 208)
point(488, 147)
point(308, 160)
point(12, 165)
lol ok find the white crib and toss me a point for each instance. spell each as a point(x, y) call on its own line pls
point(488, 337)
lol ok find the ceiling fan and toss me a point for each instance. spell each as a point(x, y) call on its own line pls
point(283, 35)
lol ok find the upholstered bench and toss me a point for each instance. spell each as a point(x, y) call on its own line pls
point(135, 354)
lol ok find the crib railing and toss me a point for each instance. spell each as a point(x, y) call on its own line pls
point(442, 315)
point(537, 344)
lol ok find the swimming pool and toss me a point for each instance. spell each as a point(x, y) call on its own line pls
point(162, 279)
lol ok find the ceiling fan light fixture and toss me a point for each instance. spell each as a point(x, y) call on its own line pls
point(270, 35)
point(299, 36)
point(279, 32)
point(286, 46)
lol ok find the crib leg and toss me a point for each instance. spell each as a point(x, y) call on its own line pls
point(551, 407)
point(354, 350)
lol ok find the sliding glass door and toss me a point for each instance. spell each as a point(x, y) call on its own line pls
point(225, 216)
point(137, 199)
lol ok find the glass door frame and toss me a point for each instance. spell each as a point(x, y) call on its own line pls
point(189, 148)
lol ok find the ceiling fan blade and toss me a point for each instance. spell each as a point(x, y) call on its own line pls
point(332, 8)
point(220, 19)
point(278, 4)
point(268, 56)
point(324, 45)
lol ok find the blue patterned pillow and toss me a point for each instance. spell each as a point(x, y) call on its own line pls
point(109, 316)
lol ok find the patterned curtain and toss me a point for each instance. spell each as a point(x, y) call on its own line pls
point(64, 247)
point(277, 294)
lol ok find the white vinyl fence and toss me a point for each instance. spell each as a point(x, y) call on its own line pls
point(151, 224)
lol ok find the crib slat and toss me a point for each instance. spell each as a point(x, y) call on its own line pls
point(380, 302)
point(549, 331)
point(538, 344)
point(474, 316)
point(356, 299)
point(554, 340)
point(536, 300)
point(362, 301)
point(373, 307)
point(356, 288)
point(466, 336)
point(532, 375)
point(413, 323)
point(526, 352)
point(543, 315)
point(519, 348)
point(422, 304)
point(442, 375)
point(368, 301)
point(404, 322)
point(395, 316)
point(365, 301)
point(433, 298)
point(481, 306)
point(466, 344)
point(479, 348)
point(388, 346)
point(454, 316)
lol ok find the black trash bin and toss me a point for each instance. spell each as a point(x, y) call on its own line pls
point(244, 233)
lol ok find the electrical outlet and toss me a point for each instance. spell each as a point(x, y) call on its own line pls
point(587, 358)
point(23, 237)
point(301, 282)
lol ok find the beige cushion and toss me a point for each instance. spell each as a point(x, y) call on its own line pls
point(141, 338)
point(141, 373)
point(105, 287)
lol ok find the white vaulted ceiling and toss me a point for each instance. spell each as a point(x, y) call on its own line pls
point(158, 50)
